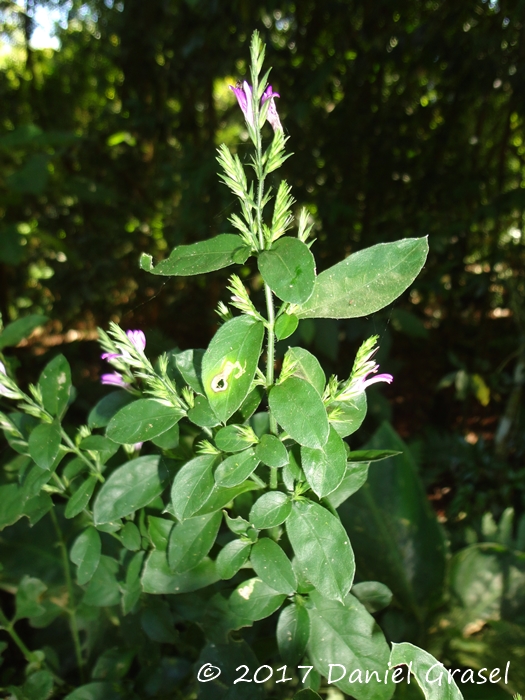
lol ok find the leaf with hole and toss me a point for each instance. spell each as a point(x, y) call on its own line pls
point(229, 364)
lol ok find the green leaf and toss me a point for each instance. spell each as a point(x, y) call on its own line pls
point(394, 532)
point(272, 565)
point(371, 455)
point(22, 328)
point(168, 440)
point(129, 488)
point(307, 367)
point(100, 690)
point(325, 468)
point(271, 451)
point(355, 477)
point(44, 444)
point(231, 557)
point(142, 420)
point(236, 468)
point(347, 416)
point(488, 582)
point(222, 495)
point(103, 590)
point(307, 694)
point(189, 364)
point(373, 595)
point(85, 554)
point(285, 325)
point(205, 256)
point(38, 686)
point(298, 408)
point(192, 486)
point(159, 530)
point(106, 408)
point(270, 510)
point(158, 578)
point(98, 443)
point(238, 525)
point(202, 414)
point(55, 383)
point(366, 281)
point(28, 595)
point(229, 364)
point(293, 631)
point(289, 270)
point(348, 635)
point(420, 664)
point(81, 497)
point(254, 600)
point(232, 439)
point(131, 589)
point(322, 548)
point(191, 540)
point(130, 537)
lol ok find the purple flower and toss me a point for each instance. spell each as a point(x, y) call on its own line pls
point(109, 355)
point(272, 115)
point(365, 383)
point(137, 339)
point(243, 93)
point(114, 379)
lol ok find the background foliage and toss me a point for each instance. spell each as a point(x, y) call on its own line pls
point(406, 118)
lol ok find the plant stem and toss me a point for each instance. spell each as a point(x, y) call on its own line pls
point(6, 625)
point(69, 584)
point(69, 442)
point(270, 310)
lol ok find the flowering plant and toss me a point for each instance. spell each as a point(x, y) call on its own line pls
point(227, 521)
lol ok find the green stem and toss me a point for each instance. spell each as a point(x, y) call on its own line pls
point(270, 310)
point(6, 625)
point(71, 606)
point(69, 442)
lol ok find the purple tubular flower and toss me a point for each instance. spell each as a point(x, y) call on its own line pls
point(244, 98)
point(109, 355)
point(272, 115)
point(137, 339)
point(388, 378)
point(114, 379)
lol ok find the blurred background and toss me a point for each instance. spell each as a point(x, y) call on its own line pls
point(405, 117)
